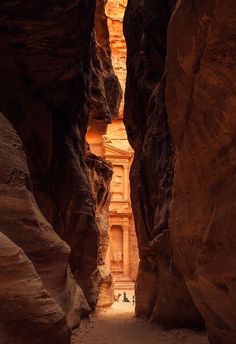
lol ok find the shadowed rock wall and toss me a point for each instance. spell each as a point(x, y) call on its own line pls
point(201, 103)
point(39, 297)
point(180, 119)
point(54, 61)
point(100, 176)
point(160, 291)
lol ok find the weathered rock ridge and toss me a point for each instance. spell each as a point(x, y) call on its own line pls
point(55, 71)
point(180, 119)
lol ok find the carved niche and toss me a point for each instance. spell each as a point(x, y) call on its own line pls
point(117, 183)
point(116, 249)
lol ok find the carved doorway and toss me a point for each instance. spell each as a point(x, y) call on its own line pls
point(116, 250)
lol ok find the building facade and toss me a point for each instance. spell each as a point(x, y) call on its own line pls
point(111, 143)
point(122, 255)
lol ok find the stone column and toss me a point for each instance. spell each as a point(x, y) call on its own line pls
point(126, 182)
point(126, 251)
point(108, 254)
point(108, 258)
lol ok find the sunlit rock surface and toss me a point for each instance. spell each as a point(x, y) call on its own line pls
point(115, 10)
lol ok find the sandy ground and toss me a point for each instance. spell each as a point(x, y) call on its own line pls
point(117, 325)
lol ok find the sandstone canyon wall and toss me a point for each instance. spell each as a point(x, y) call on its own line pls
point(56, 79)
point(201, 103)
point(160, 290)
point(180, 119)
point(37, 287)
point(55, 69)
point(115, 13)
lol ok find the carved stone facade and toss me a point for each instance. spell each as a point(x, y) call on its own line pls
point(122, 255)
point(110, 141)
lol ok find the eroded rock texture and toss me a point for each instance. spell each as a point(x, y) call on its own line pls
point(29, 302)
point(201, 103)
point(183, 176)
point(37, 287)
point(100, 177)
point(55, 69)
point(105, 91)
point(115, 13)
point(160, 291)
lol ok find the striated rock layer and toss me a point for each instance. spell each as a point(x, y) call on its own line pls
point(37, 287)
point(29, 302)
point(55, 71)
point(180, 118)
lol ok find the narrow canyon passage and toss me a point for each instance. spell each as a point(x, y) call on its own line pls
point(117, 171)
point(117, 325)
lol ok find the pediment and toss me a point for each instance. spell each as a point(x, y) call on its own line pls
point(112, 151)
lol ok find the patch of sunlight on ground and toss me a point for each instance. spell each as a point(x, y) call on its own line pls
point(117, 325)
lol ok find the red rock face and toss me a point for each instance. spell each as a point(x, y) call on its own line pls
point(36, 311)
point(200, 99)
point(100, 174)
point(104, 88)
point(183, 175)
point(51, 70)
point(160, 291)
point(115, 12)
point(37, 287)
point(56, 77)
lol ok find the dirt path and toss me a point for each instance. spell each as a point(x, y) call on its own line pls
point(117, 325)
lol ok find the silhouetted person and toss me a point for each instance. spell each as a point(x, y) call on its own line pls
point(125, 298)
point(116, 297)
point(133, 299)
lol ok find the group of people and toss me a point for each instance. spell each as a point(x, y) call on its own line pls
point(125, 298)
